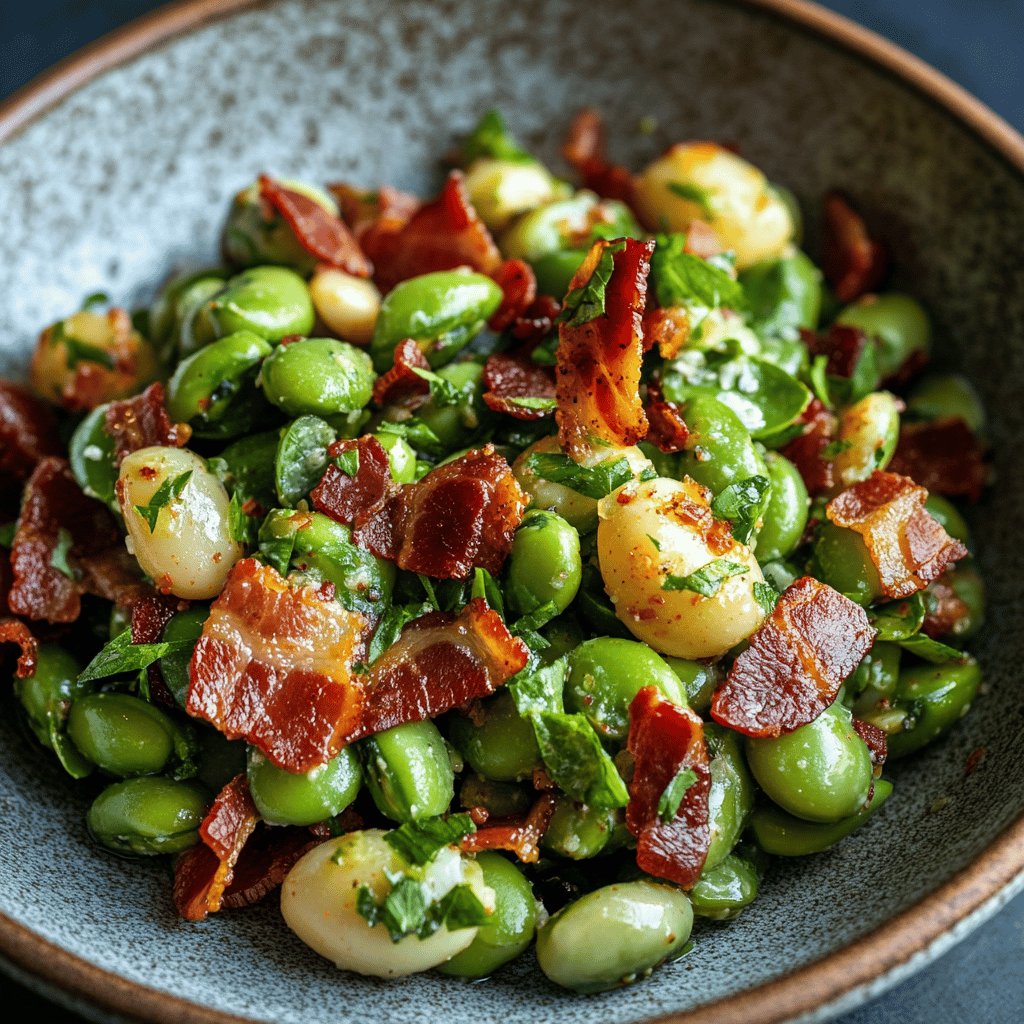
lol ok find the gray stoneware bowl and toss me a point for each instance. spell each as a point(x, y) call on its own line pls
point(116, 168)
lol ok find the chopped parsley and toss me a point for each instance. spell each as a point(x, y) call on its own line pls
point(407, 909)
point(348, 461)
point(708, 579)
point(682, 279)
point(484, 586)
point(540, 404)
point(834, 448)
point(695, 194)
point(443, 392)
point(394, 620)
point(490, 138)
point(593, 481)
point(59, 557)
point(766, 596)
point(164, 495)
point(586, 303)
point(419, 842)
point(540, 689)
point(742, 503)
point(121, 655)
point(672, 797)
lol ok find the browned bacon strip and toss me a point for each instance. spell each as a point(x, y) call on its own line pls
point(585, 149)
point(509, 377)
point(944, 456)
point(519, 837)
point(28, 432)
point(853, 262)
point(142, 421)
point(13, 631)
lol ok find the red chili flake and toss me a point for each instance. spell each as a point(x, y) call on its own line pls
point(323, 235)
point(519, 289)
point(667, 429)
point(521, 837)
point(28, 432)
point(943, 455)
point(908, 547)
point(795, 662)
point(585, 149)
point(515, 376)
point(664, 740)
point(598, 370)
point(401, 382)
point(13, 631)
point(805, 451)
point(975, 759)
point(142, 422)
point(876, 742)
point(852, 261)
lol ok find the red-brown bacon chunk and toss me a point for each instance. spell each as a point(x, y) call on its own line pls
point(908, 547)
point(585, 149)
point(537, 320)
point(666, 739)
point(402, 383)
point(521, 837)
point(795, 663)
point(853, 262)
point(598, 368)
point(518, 285)
point(57, 518)
point(347, 499)
point(441, 235)
point(14, 631)
point(273, 665)
point(509, 378)
point(149, 613)
point(806, 451)
point(876, 741)
point(372, 212)
point(944, 456)
point(667, 429)
point(842, 346)
point(268, 856)
point(323, 235)
point(28, 432)
point(142, 421)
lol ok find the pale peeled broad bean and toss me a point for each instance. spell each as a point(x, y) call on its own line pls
point(726, 191)
point(868, 433)
point(190, 551)
point(641, 542)
point(348, 305)
point(501, 189)
point(318, 902)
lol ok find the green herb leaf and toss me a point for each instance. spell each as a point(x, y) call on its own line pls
point(94, 299)
point(348, 461)
point(682, 279)
point(428, 588)
point(742, 504)
point(462, 908)
point(586, 303)
point(406, 910)
point(419, 842)
point(394, 620)
point(546, 353)
point(535, 620)
point(693, 193)
point(766, 596)
point(490, 138)
point(593, 481)
point(277, 549)
point(121, 655)
point(442, 392)
point(654, 541)
point(415, 431)
point(924, 647)
point(82, 352)
point(541, 404)
point(242, 525)
point(484, 586)
point(834, 448)
point(899, 620)
point(819, 380)
point(165, 494)
point(7, 532)
point(540, 689)
point(672, 797)
point(59, 558)
point(576, 761)
point(708, 579)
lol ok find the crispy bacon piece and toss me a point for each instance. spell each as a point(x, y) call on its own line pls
point(267, 858)
point(441, 235)
point(946, 609)
point(667, 429)
point(150, 612)
point(273, 666)
point(519, 837)
point(142, 421)
point(796, 662)
point(585, 149)
point(537, 321)
point(14, 631)
point(52, 503)
point(805, 451)
point(401, 382)
point(345, 498)
point(383, 211)
point(510, 376)
point(28, 432)
point(907, 546)
point(668, 328)
point(853, 262)
point(843, 346)
point(519, 288)
point(664, 740)
point(598, 371)
point(944, 456)
point(876, 741)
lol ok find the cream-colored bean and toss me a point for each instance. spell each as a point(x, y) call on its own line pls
point(644, 540)
point(318, 902)
point(348, 305)
point(705, 181)
point(190, 550)
point(502, 189)
point(868, 433)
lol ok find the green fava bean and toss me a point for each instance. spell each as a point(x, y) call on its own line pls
point(544, 564)
point(455, 423)
point(91, 455)
point(508, 931)
point(172, 315)
point(783, 835)
point(614, 935)
point(780, 574)
point(287, 798)
point(723, 891)
point(502, 746)
point(898, 323)
point(700, 679)
point(606, 673)
point(272, 302)
point(784, 295)
point(148, 815)
point(408, 771)
point(186, 625)
point(301, 458)
point(401, 457)
point(442, 311)
point(554, 270)
point(947, 394)
point(949, 517)
point(785, 516)
point(578, 831)
point(874, 679)
point(318, 376)
point(841, 560)
point(820, 772)
point(935, 698)
point(731, 796)
point(719, 450)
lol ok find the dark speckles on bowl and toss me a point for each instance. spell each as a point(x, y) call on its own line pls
point(127, 178)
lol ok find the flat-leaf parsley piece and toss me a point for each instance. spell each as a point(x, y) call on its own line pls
point(164, 495)
point(418, 842)
point(586, 302)
point(682, 279)
point(593, 481)
point(708, 579)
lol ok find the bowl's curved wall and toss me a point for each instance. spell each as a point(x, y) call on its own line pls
point(128, 178)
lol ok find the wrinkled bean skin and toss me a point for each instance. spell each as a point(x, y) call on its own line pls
point(544, 564)
point(503, 746)
point(287, 798)
point(148, 815)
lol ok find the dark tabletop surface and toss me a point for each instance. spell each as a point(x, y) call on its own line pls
point(975, 42)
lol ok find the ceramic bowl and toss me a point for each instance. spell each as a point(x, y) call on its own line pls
point(116, 169)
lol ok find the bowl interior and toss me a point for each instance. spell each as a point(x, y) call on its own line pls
point(127, 179)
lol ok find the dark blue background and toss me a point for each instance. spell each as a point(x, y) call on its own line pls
point(977, 43)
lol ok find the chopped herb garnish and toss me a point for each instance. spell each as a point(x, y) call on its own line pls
point(672, 797)
point(931, 650)
point(490, 138)
point(766, 596)
point(694, 193)
point(348, 461)
point(406, 910)
point(654, 541)
point(121, 655)
point(593, 481)
point(59, 557)
point(819, 380)
point(83, 352)
point(546, 353)
point(164, 495)
point(540, 689)
point(415, 431)
point(536, 619)
point(419, 842)
point(586, 303)
point(542, 404)
point(242, 525)
point(94, 299)
point(742, 503)
point(682, 279)
point(442, 392)
point(484, 586)
point(834, 448)
point(428, 588)
point(394, 620)
point(708, 579)
point(898, 620)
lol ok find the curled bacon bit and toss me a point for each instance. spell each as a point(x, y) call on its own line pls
point(28, 432)
point(946, 610)
point(519, 837)
point(383, 211)
point(401, 382)
point(57, 518)
point(853, 263)
point(519, 288)
point(537, 321)
point(273, 666)
point(142, 421)
point(323, 235)
point(666, 739)
point(944, 456)
point(908, 547)
point(345, 498)
point(598, 370)
point(508, 377)
point(14, 631)
point(265, 862)
point(876, 741)
point(806, 451)
point(585, 149)
point(843, 346)
point(796, 662)
point(667, 429)
point(441, 235)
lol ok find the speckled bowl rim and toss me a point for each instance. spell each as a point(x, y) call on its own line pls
point(929, 927)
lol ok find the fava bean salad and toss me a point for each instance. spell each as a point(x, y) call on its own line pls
point(531, 563)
